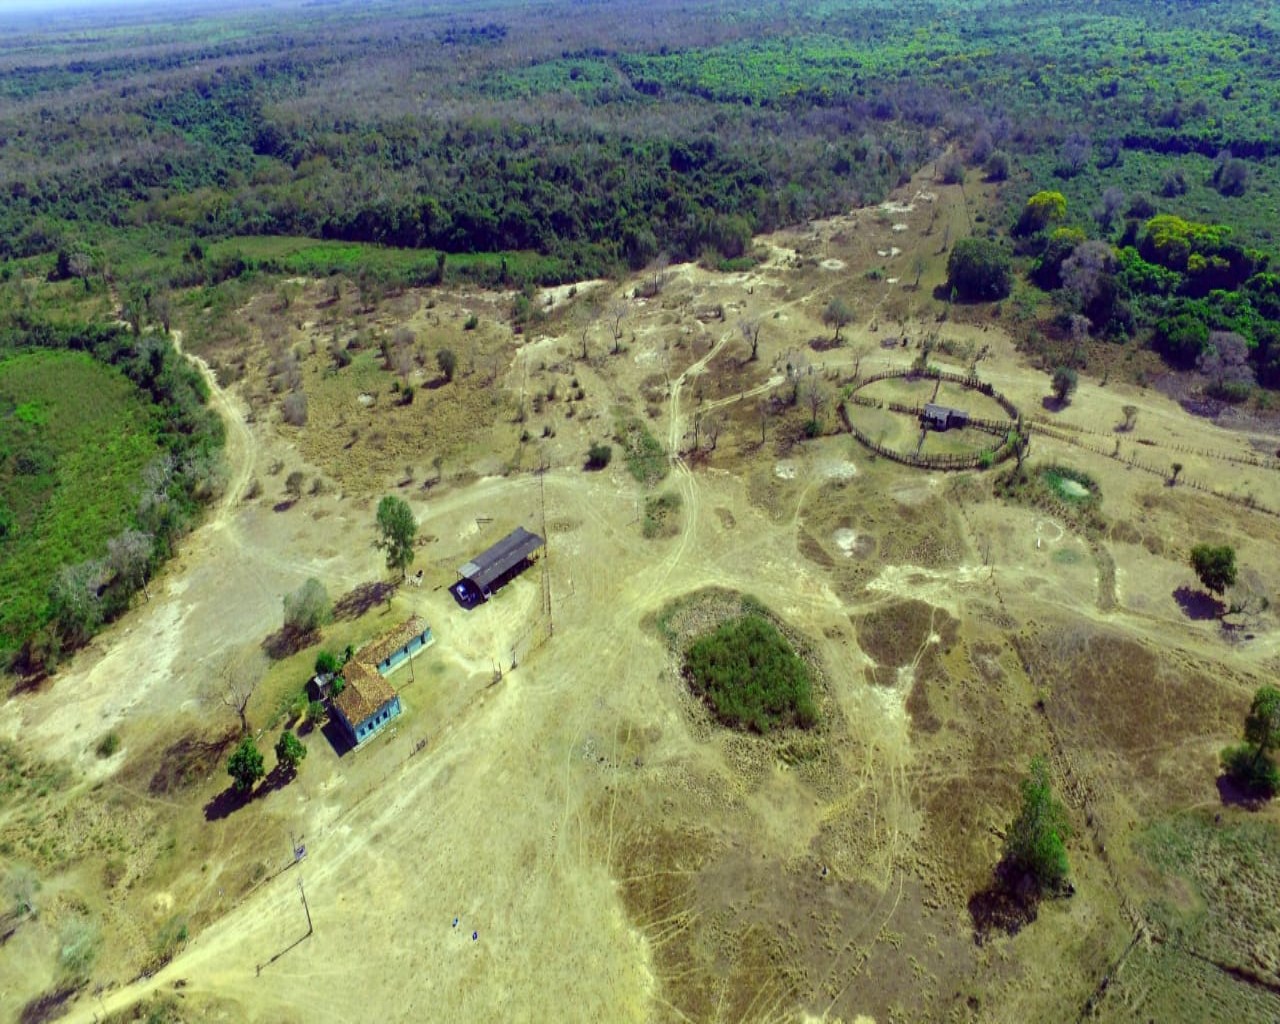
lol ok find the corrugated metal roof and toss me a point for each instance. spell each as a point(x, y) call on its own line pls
point(504, 556)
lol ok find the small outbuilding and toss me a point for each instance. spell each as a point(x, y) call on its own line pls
point(367, 702)
point(941, 417)
point(485, 573)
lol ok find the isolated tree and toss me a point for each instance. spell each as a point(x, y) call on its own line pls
point(1174, 470)
point(447, 362)
point(1035, 844)
point(712, 426)
point(837, 315)
point(814, 395)
point(599, 456)
point(236, 680)
point(749, 327)
point(616, 314)
point(245, 765)
point(290, 751)
point(1130, 417)
point(589, 312)
point(308, 608)
point(1215, 565)
point(1065, 382)
point(293, 484)
point(129, 556)
point(1262, 724)
point(396, 532)
point(764, 409)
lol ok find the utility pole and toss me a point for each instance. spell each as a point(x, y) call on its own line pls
point(306, 909)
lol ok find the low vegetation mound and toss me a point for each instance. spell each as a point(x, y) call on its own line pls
point(751, 677)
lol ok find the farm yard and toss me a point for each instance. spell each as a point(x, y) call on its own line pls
point(559, 826)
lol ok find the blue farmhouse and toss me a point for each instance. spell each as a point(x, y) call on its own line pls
point(367, 701)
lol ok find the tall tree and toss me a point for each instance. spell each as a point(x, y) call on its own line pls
point(290, 751)
point(750, 329)
point(1262, 724)
point(837, 315)
point(396, 531)
point(245, 765)
point(1215, 564)
point(1035, 841)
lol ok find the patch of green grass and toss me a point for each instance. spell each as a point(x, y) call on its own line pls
point(1220, 877)
point(660, 512)
point(645, 457)
point(1070, 485)
point(108, 745)
point(751, 677)
point(70, 474)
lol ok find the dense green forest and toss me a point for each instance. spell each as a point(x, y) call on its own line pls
point(587, 137)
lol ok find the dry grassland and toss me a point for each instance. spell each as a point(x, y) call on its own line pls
point(576, 840)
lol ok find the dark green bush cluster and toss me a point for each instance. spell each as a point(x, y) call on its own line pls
point(751, 677)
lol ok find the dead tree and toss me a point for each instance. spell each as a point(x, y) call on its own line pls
point(750, 329)
point(616, 314)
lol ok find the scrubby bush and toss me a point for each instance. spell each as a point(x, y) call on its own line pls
point(599, 456)
point(307, 608)
point(751, 677)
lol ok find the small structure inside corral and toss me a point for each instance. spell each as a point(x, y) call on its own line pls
point(941, 417)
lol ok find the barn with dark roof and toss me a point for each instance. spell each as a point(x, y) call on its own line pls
point(487, 572)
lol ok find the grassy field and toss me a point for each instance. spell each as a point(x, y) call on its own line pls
point(74, 439)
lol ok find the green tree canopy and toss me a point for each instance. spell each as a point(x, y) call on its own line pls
point(979, 269)
point(1065, 381)
point(308, 608)
point(1035, 842)
point(396, 531)
point(1262, 724)
point(1215, 564)
point(836, 315)
point(245, 765)
point(289, 751)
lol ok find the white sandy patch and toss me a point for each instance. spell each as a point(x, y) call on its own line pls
point(832, 264)
point(366, 399)
point(895, 207)
point(901, 227)
point(891, 280)
point(840, 471)
point(845, 540)
point(894, 251)
point(785, 470)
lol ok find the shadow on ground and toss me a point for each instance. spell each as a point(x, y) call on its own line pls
point(361, 599)
point(1197, 605)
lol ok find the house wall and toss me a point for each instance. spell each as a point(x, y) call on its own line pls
point(375, 723)
point(390, 663)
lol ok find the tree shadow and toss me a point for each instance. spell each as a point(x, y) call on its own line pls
point(1052, 403)
point(1235, 793)
point(288, 640)
point(49, 1006)
point(1197, 605)
point(1008, 904)
point(361, 599)
point(226, 803)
